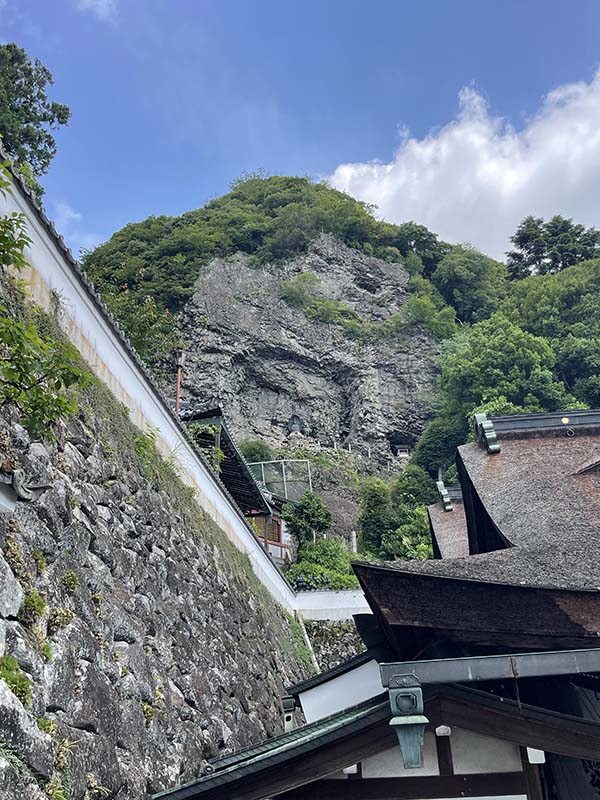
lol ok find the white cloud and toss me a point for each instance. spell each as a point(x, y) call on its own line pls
point(105, 10)
point(475, 178)
point(67, 222)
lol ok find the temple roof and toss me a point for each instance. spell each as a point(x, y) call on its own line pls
point(234, 471)
point(449, 530)
point(315, 751)
point(530, 576)
point(541, 492)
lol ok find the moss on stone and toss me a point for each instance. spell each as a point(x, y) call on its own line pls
point(33, 607)
point(70, 581)
point(39, 560)
point(59, 618)
point(12, 675)
point(148, 712)
point(48, 726)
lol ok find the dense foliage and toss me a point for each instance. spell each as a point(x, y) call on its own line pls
point(472, 283)
point(26, 114)
point(255, 450)
point(530, 344)
point(307, 519)
point(323, 564)
point(542, 247)
point(393, 515)
point(538, 352)
point(36, 372)
point(271, 219)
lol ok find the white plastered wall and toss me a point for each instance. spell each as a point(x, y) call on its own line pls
point(52, 276)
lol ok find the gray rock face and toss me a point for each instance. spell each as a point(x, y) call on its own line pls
point(272, 366)
point(11, 592)
point(333, 642)
point(160, 653)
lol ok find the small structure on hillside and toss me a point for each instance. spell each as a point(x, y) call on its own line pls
point(284, 481)
point(482, 667)
point(286, 478)
point(261, 506)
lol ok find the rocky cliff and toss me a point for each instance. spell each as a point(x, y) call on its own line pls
point(277, 371)
point(135, 641)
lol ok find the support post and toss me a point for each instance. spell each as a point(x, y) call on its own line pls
point(180, 363)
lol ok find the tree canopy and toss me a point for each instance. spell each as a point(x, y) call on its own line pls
point(471, 282)
point(307, 518)
point(542, 247)
point(27, 116)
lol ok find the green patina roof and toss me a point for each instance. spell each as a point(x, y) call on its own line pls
point(295, 742)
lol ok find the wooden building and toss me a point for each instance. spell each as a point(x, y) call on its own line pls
point(209, 430)
point(482, 667)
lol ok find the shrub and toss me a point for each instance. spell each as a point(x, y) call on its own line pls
point(36, 373)
point(11, 674)
point(70, 581)
point(59, 618)
point(299, 291)
point(39, 559)
point(148, 712)
point(33, 606)
point(14, 558)
point(307, 517)
point(255, 450)
point(324, 564)
point(329, 553)
point(49, 726)
point(305, 576)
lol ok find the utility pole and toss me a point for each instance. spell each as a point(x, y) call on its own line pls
point(180, 363)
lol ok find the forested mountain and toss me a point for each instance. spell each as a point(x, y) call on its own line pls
point(277, 318)
point(147, 270)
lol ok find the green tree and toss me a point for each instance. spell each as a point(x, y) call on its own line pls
point(578, 362)
point(437, 444)
point(411, 540)
point(255, 450)
point(412, 487)
point(543, 247)
point(36, 373)
point(307, 518)
point(27, 116)
point(426, 307)
point(471, 282)
point(498, 359)
point(152, 331)
point(376, 514)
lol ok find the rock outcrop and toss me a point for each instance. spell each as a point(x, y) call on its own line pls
point(333, 642)
point(139, 642)
point(278, 372)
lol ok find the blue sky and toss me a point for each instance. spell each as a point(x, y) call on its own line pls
point(172, 99)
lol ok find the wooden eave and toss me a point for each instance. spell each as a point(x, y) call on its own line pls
point(415, 608)
point(321, 749)
point(234, 472)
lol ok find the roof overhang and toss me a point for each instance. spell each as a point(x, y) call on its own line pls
point(234, 472)
point(328, 746)
point(417, 608)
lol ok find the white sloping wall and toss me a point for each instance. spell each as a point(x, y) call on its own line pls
point(53, 274)
point(330, 605)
